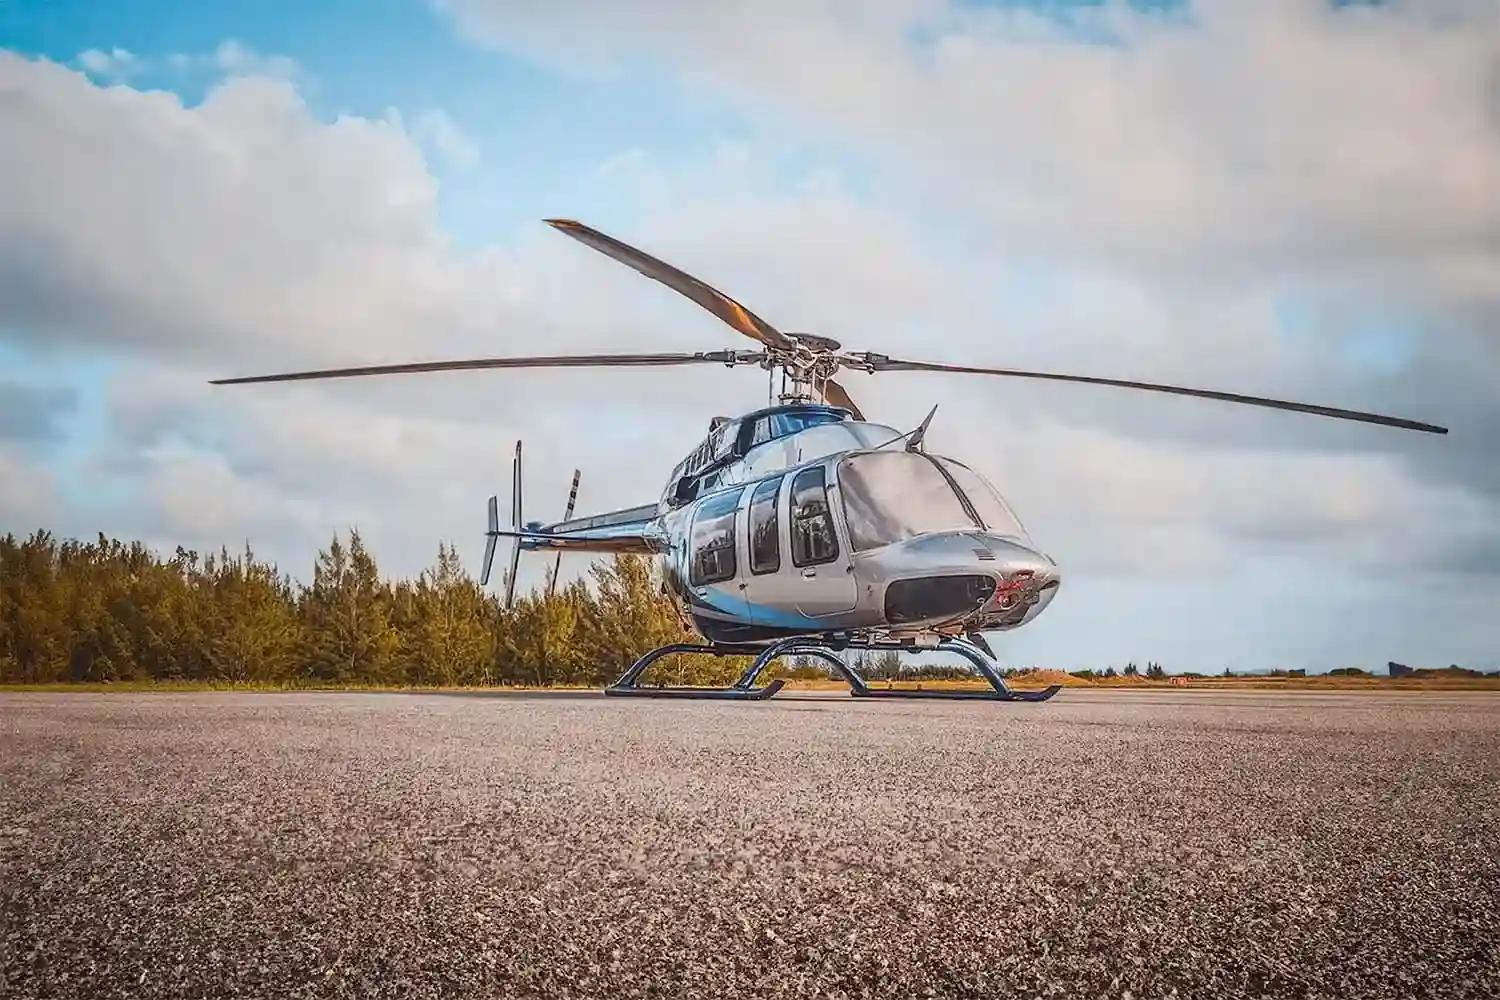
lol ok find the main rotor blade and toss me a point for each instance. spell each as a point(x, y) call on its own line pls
point(557, 361)
point(837, 395)
point(710, 298)
point(881, 363)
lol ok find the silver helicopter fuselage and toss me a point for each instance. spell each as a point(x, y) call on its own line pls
point(797, 520)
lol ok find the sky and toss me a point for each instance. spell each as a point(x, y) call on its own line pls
point(1291, 198)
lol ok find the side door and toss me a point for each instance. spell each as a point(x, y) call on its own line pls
point(823, 584)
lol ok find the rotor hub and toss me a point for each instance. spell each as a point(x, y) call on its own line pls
point(815, 341)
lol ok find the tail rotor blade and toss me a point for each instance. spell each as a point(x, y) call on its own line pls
point(567, 516)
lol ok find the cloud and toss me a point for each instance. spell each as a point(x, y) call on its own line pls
point(234, 58)
point(434, 128)
point(29, 497)
point(115, 65)
point(1229, 137)
point(238, 59)
point(241, 228)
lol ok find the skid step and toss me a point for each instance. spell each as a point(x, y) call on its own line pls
point(721, 694)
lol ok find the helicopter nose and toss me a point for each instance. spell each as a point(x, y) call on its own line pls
point(1025, 580)
point(1008, 556)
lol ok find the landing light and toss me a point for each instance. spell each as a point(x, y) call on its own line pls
point(1017, 581)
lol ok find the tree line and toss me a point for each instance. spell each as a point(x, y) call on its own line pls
point(109, 610)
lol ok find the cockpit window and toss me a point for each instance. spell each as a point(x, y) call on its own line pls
point(779, 425)
point(890, 496)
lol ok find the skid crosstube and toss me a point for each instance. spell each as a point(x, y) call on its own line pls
point(744, 689)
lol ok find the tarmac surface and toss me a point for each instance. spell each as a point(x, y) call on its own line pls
point(414, 845)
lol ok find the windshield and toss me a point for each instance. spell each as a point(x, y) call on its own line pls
point(892, 495)
point(985, 499)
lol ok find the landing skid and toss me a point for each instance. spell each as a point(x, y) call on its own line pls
point(707, 693)
point(983, 665)
point(1008, 695)
point(744, 689)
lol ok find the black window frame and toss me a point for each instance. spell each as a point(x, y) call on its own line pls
point(757, 495)
point(732, 498)
point(792, 520)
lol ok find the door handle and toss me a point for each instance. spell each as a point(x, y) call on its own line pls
point(809, 573)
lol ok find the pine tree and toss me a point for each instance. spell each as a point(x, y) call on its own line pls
point(626, 615)
point(447, 625)
point(253, 632)
point(38, 641)
point(346, 613)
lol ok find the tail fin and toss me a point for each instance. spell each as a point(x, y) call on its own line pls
point(536, 535)
point(494, 532)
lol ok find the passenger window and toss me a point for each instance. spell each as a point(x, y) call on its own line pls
point(765, 546)
point(813, 540)
point(712, 544)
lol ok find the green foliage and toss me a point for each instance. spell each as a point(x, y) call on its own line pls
point(252, 632)
point(446, 626)
point(347, 612)
point(108, 611)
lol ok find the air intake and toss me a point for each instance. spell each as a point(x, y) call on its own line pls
point(930, 597)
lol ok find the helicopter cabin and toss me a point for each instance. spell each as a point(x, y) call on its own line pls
point(735, 443)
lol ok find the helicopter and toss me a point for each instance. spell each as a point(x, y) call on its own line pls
point(804, 528)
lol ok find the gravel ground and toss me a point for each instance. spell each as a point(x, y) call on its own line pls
point(1103, 844)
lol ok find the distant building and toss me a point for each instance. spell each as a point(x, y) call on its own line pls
point(1297, 672)
point(1398, 669)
